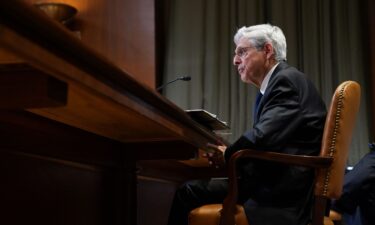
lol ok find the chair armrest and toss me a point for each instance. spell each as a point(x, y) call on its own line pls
point(297, 160)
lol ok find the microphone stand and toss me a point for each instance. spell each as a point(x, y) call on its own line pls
point(179, 78)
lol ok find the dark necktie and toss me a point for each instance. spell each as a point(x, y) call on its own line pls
point(256, 105)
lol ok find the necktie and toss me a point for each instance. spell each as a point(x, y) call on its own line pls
point(256, 105)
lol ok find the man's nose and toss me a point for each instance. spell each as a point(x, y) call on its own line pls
point(236, 60)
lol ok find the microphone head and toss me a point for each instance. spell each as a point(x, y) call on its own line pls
point(185, 78)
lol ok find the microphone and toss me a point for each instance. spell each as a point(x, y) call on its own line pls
point(183, 78)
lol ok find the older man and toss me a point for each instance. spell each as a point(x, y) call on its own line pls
point(289, 117)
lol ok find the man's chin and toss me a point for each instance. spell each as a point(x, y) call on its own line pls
point(244, 79)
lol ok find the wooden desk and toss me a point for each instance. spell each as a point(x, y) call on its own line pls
point(69, 152)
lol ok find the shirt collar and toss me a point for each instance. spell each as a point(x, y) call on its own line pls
point(265, 81)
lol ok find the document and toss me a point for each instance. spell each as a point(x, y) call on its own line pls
point(207, 119)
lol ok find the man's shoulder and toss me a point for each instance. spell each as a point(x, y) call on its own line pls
point(292, 75)
point(285, 70)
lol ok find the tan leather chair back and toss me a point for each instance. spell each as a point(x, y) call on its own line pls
point(337, 138)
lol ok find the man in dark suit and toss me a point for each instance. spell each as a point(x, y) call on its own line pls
point(289, 117)
point(357, 201)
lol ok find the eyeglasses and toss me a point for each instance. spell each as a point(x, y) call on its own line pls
point(242, 52)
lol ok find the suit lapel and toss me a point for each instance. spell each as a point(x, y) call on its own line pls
point(281, 66)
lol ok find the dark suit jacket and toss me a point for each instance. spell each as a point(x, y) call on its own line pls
point(290, 119)
point(359, 191)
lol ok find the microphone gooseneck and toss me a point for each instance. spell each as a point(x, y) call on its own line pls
point(183, 78)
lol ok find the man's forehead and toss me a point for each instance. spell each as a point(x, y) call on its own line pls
point(243, 42)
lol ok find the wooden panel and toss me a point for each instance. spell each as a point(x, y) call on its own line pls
point(123, 31)
point(154, 201)
point(39, 190)
point(82, 157)
point(102, 116)
point(21, 88)
point(48, 158)
point(120, 106)
point(29, 133)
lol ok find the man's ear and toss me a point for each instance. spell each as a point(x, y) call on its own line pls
point(268, 49)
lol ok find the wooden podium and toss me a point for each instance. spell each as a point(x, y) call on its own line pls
point(73, 127)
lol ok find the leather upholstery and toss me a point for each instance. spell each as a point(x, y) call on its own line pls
point(337, 137)
point(327, 221)
point(210, 215)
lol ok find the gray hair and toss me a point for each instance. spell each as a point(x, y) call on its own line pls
point(259, 35)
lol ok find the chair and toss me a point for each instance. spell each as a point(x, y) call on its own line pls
point(329, 165)
point(335, 217)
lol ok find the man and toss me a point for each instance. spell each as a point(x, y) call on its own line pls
point(288, 118)
point(358, 195)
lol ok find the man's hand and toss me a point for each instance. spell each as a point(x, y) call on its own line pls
point(216, 157)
